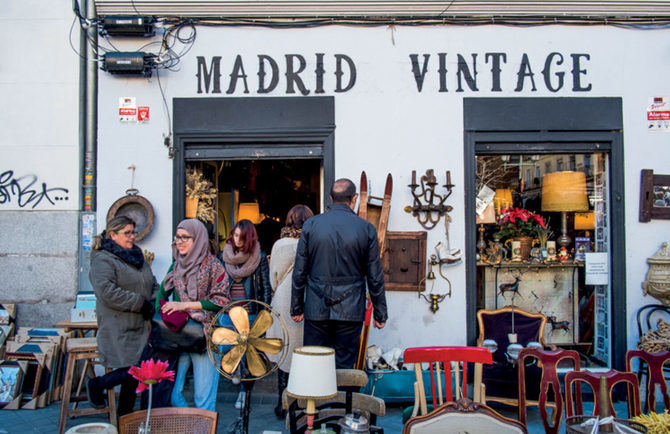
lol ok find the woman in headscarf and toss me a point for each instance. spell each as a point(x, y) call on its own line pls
point(123, 284)
point(198, 284)
point(281, 272)
point(247, 269)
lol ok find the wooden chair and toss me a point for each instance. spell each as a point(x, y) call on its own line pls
point(332, 409)
point(171, 420)
point(501, 377)
point(602, 384)
point(548, 361)
point(463, 416)
point(647, 318)
point(85, 349)
point(655, 364)
point(433, 356)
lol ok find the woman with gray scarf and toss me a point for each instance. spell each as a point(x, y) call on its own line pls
point(199, 286)
point(248, 271)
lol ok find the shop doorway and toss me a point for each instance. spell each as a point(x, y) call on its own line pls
point(529, 152)
point(262, 191)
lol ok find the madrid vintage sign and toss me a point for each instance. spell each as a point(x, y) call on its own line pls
point(559, 71)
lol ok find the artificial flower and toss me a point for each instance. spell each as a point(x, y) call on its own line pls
point(150, 372)
point(519, 222)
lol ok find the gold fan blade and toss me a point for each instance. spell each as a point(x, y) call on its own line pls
point(267, 345)
point(240, 319)
point(224, 336)
point(255, 363)
point(262, 324)
point(232, 358)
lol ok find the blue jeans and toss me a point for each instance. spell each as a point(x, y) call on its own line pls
point(205, 381)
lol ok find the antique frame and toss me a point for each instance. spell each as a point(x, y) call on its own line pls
point(419, 283)
point(649, 183)
point(11, 383)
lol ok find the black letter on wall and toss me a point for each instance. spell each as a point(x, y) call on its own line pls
point(495, 69)
point(525, 71)
point(319, 71)
point(576, 72)
point(339, 73)
point(262, 58)
point(214, 70)
point(442, 70)
point(419, 75)
point(292, 76)
point(464, 72)
point(547, 72)
point(238, 72)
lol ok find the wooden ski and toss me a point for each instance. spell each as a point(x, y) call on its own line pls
point(363, 197)
point(380, 219)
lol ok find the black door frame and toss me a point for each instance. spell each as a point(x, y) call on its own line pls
point(550, 125)
point(251, 128)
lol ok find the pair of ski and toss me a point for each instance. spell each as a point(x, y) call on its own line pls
point(378, 215)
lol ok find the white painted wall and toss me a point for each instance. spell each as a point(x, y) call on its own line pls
point(385, 125)
point(39, 76)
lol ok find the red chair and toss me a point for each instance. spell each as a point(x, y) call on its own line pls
point(548, 361)
point(655, 363)
point(433, 356)
point(593, 379)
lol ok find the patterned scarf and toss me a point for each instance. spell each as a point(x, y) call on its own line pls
point(240, 265)
point(290, 232)
point(186, 266)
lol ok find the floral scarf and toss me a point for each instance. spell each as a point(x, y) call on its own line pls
point(212, 285)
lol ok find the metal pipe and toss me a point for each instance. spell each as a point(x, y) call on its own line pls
point(90, 155)
point(82, 111)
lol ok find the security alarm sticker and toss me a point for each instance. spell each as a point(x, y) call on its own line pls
point(143, 114)
point(127, 109)
point(658, 114)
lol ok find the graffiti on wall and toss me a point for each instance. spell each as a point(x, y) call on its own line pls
point(28, 191)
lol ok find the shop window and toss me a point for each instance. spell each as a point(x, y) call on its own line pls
point(543, 269)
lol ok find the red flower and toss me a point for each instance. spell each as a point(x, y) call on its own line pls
point(150, 372)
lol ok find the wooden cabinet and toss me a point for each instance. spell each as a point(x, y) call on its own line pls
point(547, 288)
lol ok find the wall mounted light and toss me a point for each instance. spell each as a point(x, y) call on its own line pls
point(428, 206)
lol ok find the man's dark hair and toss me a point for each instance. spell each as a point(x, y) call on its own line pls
point(342, 191)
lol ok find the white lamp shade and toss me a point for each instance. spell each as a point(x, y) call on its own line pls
point(312, 374)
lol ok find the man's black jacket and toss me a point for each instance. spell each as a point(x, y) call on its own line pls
point(338, 253)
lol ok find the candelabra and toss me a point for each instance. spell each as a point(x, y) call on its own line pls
point(428, 206)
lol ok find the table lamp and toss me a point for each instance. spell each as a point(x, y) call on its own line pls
point(487, 217)
point(564, 192)
point(312, 376)
point(502, 199)
point(249, 211)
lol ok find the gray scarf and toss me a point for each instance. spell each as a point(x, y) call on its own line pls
point(186, 267)
point(240, 265)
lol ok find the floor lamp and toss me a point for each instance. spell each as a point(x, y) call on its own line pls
point(564, 192)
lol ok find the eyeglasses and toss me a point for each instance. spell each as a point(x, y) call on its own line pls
point(182, 238)
point(128, 233)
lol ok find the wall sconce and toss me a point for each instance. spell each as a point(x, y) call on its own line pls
point(428, 206)
point(435, 299)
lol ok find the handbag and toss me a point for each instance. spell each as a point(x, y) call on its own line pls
point(189, 339)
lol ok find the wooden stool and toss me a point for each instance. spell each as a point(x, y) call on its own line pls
point(81, 349)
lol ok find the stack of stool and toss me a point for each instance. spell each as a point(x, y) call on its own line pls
point(81, 349)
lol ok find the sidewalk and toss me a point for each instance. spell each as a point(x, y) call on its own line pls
point(45, 420)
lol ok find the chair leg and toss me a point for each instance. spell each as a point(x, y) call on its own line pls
point(67, 391)
point(111, 404)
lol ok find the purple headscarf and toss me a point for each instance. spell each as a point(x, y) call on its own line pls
point(186, 266)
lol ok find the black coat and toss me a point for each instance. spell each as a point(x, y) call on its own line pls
point(338, 253)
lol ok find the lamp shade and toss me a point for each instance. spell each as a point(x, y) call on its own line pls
point(249, 211)
point(312, 374)
point(488, 216)
point(564, 191)
point(502, 199)
point(585, 221)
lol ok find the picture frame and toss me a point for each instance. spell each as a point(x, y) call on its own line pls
point(11, 383)
point(654, 196)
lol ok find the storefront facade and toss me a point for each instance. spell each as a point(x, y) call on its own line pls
point(393, 99)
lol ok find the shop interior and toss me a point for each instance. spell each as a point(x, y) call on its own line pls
point(540, 219)
point(262, 191)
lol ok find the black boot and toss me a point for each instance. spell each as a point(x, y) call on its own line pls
point(96, 393)
point(282, 381)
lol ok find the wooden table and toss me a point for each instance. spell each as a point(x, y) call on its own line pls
point(80, 329)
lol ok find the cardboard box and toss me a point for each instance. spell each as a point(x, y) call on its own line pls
point(83, 315)
point(85, 300)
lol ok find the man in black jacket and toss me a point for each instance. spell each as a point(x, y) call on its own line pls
point(338, 254)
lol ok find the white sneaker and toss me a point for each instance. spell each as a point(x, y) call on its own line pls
point(239, 404)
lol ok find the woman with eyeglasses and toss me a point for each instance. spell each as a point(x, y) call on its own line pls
point(123, 284)
point(198, 285)
point(248, 272)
